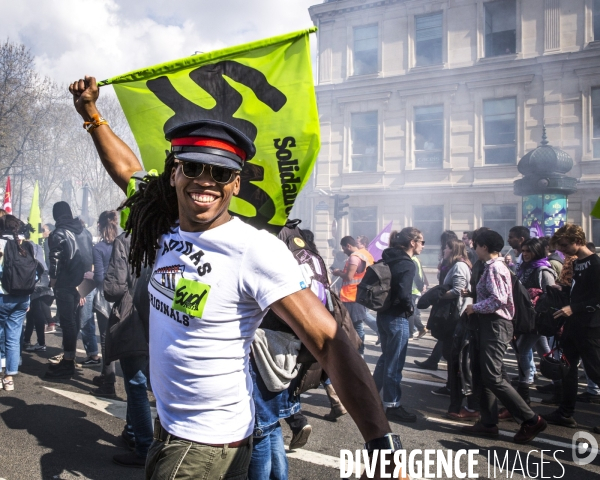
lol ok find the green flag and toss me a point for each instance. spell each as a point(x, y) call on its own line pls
point(263, 88)
point(35, 219)
point(596, 209)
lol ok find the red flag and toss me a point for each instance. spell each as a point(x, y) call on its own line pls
point(7, 205)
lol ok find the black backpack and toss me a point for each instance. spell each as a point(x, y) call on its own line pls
point(548, 303)
point(19, 273)
point(525, 316)
point(374, 289)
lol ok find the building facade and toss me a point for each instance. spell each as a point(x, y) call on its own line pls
point(426, 107)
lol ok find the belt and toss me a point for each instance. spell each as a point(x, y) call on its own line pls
point(162, 435)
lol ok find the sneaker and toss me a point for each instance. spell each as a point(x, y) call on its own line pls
point(442, 391)
point(528, 432)
point(400, 415)
point(8, 385)
point(480, 430)
point(56, 359)
point(422, 333)
point(106, 390)
point(98, 380)
point(90, 362)
point(36, 348)
point(131, 460)
point(463, 415)
point(426, 365)
point(51, 328)
point(556, 418)
point(300, 438)
point(64, 369)
point(587, 397)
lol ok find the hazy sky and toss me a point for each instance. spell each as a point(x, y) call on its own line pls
point(70, 38)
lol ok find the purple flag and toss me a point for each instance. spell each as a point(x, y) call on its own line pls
point(380, 242)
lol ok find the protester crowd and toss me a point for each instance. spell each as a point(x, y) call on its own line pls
point(225, 371)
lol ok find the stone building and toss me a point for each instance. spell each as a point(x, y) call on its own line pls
point(426, 106)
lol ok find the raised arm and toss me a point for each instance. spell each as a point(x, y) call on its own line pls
point(118, 159)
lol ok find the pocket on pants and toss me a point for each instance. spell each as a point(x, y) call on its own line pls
point(164, 459)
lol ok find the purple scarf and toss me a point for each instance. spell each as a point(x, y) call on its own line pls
point(526, 269)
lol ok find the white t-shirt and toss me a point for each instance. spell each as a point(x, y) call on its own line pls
point(209, 292)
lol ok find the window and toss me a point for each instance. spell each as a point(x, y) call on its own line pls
point(363, 221)
point(500, 218)
point(429, 136)
point(596, 20)
point(366, 51)
point(430, 220)
point(596, 122)
point(499, 131)
point(364, 142)
point(500, 28)
point(428, 40)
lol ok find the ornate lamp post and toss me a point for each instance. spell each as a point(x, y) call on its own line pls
point(545, 188)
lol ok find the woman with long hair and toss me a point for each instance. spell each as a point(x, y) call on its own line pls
point(458, 279)
point(108, 230)
point(12, 307)
point(535, 273)
point(431, 363)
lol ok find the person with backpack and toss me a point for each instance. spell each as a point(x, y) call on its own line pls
point(491, 322)
point(70, 257)
point(393, 322)
point(42, 297)
point(213, 279)
point(108, 229)
point(19, 268)
point(535, 273)
point(351, 275)
point(581, 334)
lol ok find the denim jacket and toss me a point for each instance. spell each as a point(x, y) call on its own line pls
point(269, 407)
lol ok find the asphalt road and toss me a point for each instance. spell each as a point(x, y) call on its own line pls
point(56, 430)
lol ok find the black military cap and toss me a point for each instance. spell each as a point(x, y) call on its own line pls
point(212, 142)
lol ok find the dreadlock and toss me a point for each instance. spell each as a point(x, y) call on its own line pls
point(153, 213)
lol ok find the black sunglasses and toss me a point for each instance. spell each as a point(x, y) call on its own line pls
point(220, 175)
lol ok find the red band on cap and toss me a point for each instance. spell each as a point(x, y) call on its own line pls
point(208, 142)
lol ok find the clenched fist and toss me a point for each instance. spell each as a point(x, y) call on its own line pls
point(85, 93)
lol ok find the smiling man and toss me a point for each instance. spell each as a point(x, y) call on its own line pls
point(213, 279)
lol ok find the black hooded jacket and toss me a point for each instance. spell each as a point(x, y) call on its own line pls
point(403, 271)
point(70, 252)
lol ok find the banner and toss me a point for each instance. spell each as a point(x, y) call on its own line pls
point(35, 218)
point(7, 204)
point(380, 242)
point(263, 88)
point(544, 214)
